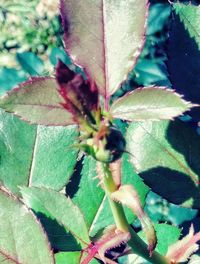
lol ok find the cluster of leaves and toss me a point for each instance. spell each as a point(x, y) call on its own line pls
point(32, 179)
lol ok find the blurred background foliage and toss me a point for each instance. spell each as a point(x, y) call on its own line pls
point(31, 43)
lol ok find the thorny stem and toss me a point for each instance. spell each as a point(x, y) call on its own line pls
point(138, 246)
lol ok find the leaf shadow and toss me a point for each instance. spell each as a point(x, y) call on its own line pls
point(73, 186)
point(184, 64)
point(59, 239)
point(173, 185)
point(184, 139)
point(176, 186)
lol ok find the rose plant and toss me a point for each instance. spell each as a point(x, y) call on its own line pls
point(75, 175)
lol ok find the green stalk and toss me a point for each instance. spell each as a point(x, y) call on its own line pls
point(138, 246)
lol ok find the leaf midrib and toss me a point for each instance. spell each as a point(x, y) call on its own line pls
point(104, 50)
point(190, 24)
point(188, 171)
point(97, 214)
point(139, 109)
point(40, 105)
point(30, 176)
point(68, 229)
point(9, 257)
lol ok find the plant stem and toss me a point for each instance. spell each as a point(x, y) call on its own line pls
point(138, 246)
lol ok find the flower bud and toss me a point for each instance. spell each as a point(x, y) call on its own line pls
point(107, 147)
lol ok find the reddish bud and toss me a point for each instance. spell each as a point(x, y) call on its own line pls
point(81, 97)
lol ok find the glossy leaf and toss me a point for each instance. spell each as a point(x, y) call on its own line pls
point(106, 46)
point(183, 50)
point(59, 54)
point(35, 155)
point(38, 102)
point(158, 17)
point(84, 190)
point(22, 237)
point(149, 103)
point(170, 234)
point(166, 234)
point(189, 15)
point(68, 257)
point(94, 204)
point(53, 206)
point(166, 154)
point(149, 72)
point(71, 258)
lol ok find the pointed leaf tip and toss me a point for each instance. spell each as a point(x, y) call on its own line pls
point(22, 237)
point(106, 46)
point(150, 103)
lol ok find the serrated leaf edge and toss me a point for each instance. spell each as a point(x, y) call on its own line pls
point(60, 222)
point(188, 104)
point(20, 201)
point(132, 57)
point(22, 85)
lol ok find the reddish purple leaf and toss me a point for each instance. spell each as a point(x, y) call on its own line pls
point(38, 102)
point(80, 96)
point(105, 38)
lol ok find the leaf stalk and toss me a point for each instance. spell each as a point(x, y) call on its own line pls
point(138, 246)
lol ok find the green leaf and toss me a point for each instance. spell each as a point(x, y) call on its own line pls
point(22, 237)
point(166, 154)
point(35, 155)
point(38, 102)
point(133, 259)
point(30, 63)
point(149, 103)
point(56, 208)
point(166, 234)
point(189, 16)
point(178, 215)
point(107, 48)
point(183, 50)
point(68, 257)
point(170, 234)
point(159, 209)
point(10, 77)
point(84, 190)
point(59, 53)
point(93, 203)
point(71, 258)
point(149, 72)
point(158, 16)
